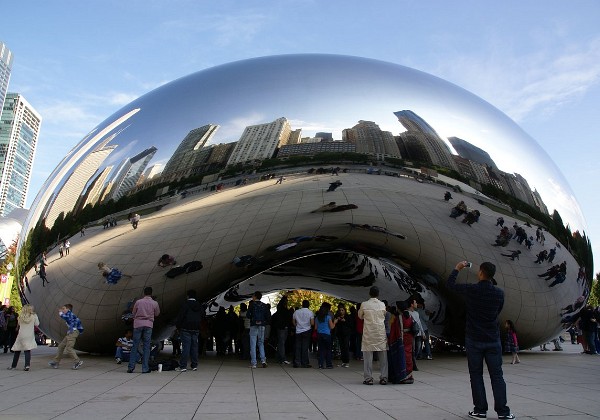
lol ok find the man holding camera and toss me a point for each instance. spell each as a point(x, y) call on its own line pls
point(483, 301)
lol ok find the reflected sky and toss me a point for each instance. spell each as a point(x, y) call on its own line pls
point(316, 93)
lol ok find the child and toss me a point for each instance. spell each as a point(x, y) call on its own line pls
point(68, 342)
point(124, 345)
point(512, 344)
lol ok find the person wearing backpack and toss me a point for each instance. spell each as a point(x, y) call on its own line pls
point(259, 314)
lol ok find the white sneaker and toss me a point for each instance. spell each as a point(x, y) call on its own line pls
point(178, 369)
point(78, 364)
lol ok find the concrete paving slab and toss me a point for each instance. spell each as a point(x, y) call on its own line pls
point(546, 385)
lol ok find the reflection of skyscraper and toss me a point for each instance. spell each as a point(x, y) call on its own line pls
point(520, 188)
point(94, 192)
point(188, 153)
point(471, 152)
point(6, 59)
point(473, 170)
point(325, 136)
point(438, 152)
point(68, 195)
point(132, 172)
point(259, 142)
point(537, 198)
point(295, 136)
point(152, 171)
point(370, 139)
point(19, 130)
point(47, 193)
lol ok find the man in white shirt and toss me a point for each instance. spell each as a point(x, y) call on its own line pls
point(303, 320)
point(374, 338)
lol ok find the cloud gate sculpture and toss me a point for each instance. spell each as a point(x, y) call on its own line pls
point(317, 172)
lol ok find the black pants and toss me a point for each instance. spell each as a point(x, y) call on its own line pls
point(344, 341)
point(27, 358)
point(301, 354)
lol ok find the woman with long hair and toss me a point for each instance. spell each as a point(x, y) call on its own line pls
point(324, 324)
point(343, 331)
point(26, 336)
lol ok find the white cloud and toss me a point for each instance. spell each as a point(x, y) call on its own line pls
point(226, 29)
point(526, 83)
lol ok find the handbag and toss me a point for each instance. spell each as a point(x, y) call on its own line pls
point(414, 328)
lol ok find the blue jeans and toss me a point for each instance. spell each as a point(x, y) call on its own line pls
point(427, 346)
point(257, 334)
point(189, 348)
point(477, 352)
point(324, 341)
point(143, 334)
point(120, 354)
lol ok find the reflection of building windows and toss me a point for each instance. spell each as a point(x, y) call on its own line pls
point(190, 151)
point(132, 172)
point(259, 142)
point(310, 149)
point(471, 152)
point(370, 139)
point(437, 152)
point(69, 193)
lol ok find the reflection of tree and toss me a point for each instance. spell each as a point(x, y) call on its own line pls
point(594, 299)
point(295, 298)
point(578, 245)
point(317, 159)
point(7, 267)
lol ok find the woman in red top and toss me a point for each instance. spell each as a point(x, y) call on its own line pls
point(407, 336)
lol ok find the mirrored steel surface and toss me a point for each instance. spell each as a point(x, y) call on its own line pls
point(253, 233)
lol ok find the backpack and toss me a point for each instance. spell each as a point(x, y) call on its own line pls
point(261, 314)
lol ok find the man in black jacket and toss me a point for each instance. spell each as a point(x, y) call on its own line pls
point(483, 301)
point(188, 324)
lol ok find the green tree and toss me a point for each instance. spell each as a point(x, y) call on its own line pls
point(295, 298)
point(594, 298)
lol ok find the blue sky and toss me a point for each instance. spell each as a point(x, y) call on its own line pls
point(537, 61)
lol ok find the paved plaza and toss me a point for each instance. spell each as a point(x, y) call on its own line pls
point(546, 385)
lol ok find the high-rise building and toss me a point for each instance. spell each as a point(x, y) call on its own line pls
point(6, 59)
point(259, 142)
point(68, 196)
point(131, 172)
point(471, 152)
point(311, 149)
point(95, 189)
point(188, 153)
point(325, 136)
point(295, 136)
point(437, 151)
point(19, 131)
point(370, 139)
point(539, 202)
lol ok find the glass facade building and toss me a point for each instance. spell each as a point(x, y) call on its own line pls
point(19, 130)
